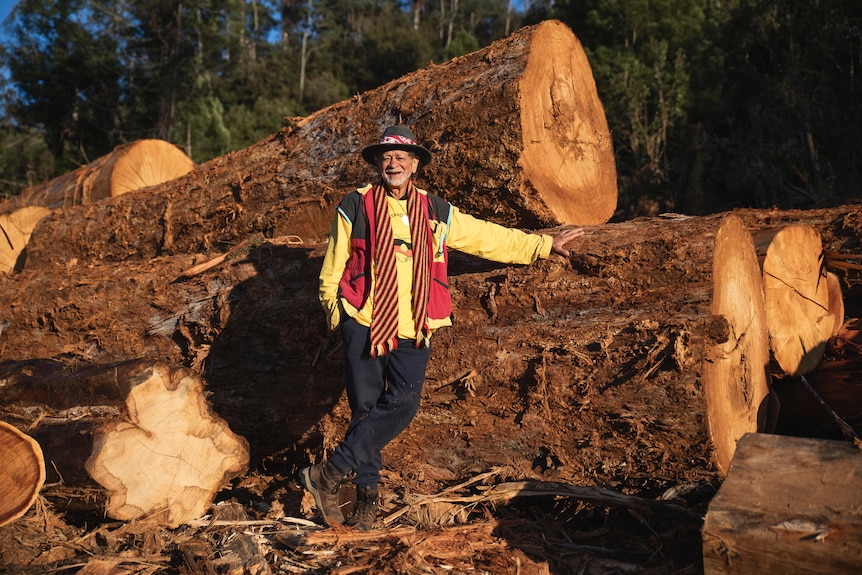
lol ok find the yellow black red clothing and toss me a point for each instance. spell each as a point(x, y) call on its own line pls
point(459, 231)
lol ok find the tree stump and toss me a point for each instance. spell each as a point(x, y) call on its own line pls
point(788, 505)
point(141, 430)
point(22, 473)
point(735, 378)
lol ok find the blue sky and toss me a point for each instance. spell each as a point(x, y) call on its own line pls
point(6, 7)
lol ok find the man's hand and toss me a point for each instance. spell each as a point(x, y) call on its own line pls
point(564, 237)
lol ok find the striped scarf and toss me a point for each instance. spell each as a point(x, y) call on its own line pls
point(384, 316)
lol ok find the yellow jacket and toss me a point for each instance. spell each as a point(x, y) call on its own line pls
point(463, 233)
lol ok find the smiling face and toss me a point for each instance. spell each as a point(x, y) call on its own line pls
point(395, 168)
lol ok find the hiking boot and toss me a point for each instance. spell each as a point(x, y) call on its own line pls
point(322, 481)
point(365, 511)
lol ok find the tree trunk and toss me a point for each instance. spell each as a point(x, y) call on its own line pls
point(735, 379)
point(127, 168)
point(517, 131)
point(788, 505)
point(142, 430)
point(22, 474)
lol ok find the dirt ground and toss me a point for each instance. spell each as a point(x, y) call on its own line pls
point(562, 428)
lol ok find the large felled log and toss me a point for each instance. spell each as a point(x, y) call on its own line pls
point(788, 505)
point(735, 378)
point(128, 167)
point(142, 430)
point(22, 472)
point(796, 291)
point(517, 131)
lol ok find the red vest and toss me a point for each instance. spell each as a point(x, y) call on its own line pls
point(355, 284)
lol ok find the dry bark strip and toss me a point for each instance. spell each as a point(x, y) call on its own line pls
point(788, 505)
point(517, 131)
point(142, 430)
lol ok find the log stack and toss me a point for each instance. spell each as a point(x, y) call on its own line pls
point(518, 135)
point(517, 131)
point(787, 504)
point(127, 168)
point(782, 308)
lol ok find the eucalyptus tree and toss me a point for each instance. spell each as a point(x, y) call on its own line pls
point(790, 119)
point(67, 78)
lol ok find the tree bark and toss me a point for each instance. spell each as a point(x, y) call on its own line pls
point(141, 430)
point(788, 505)
point(517, 132)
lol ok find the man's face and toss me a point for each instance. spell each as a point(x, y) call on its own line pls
point(396, 167)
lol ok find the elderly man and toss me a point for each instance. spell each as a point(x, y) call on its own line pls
point(384, 283)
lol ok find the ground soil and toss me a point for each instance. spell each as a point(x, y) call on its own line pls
point(577, 375)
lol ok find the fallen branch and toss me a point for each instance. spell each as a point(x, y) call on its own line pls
point(505, 492)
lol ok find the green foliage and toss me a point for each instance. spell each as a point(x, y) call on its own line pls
point(711, 103)
point(462, 43)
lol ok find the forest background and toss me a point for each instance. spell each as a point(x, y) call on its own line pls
point(713, 104)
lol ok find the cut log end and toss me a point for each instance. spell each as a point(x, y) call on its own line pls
point(127, 168)
point(173, 454)
point(568, 153)
point(797, 299)
point(146, 163)
point(736, 384)
point(22, 473)
point(15, 230)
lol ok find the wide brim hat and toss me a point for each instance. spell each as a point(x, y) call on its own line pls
point(396, 138)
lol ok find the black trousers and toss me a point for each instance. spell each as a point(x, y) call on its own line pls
point(384, 395)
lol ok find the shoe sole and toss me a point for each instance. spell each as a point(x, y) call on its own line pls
point(308, 484)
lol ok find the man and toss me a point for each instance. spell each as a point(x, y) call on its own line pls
point(384, 283)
